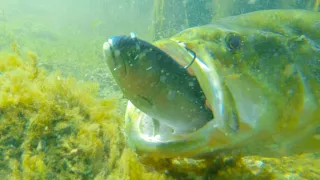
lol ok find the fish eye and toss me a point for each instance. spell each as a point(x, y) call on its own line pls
point(233, 41)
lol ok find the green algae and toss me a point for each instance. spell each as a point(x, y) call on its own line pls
point(57, 127)
point(53, 126)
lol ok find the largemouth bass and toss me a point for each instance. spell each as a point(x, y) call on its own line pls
point(256, 90)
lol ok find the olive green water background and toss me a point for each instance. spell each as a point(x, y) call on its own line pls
point(67, 36)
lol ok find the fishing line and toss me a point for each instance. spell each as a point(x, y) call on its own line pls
point(193, 59)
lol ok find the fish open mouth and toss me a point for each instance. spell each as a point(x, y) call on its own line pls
point(147, 135)
point(153, 130)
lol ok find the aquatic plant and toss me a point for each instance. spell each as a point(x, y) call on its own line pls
point(55, 127)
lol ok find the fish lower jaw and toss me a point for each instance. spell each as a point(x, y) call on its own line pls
point(147, 136)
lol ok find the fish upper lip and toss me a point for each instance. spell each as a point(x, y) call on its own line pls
point(105, 47)
point(108, 46)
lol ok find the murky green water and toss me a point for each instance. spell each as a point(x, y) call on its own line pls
point(51, 130)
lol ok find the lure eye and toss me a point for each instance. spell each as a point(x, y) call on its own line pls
point(233, 41)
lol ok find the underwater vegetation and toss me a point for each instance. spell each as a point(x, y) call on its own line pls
point(55, 127)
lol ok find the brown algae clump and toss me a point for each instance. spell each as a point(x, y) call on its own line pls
point(53, 127)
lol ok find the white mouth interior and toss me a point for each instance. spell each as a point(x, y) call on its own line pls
point(151, 128)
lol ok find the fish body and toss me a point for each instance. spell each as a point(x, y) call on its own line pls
point(259, 73)
point(157, 84)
